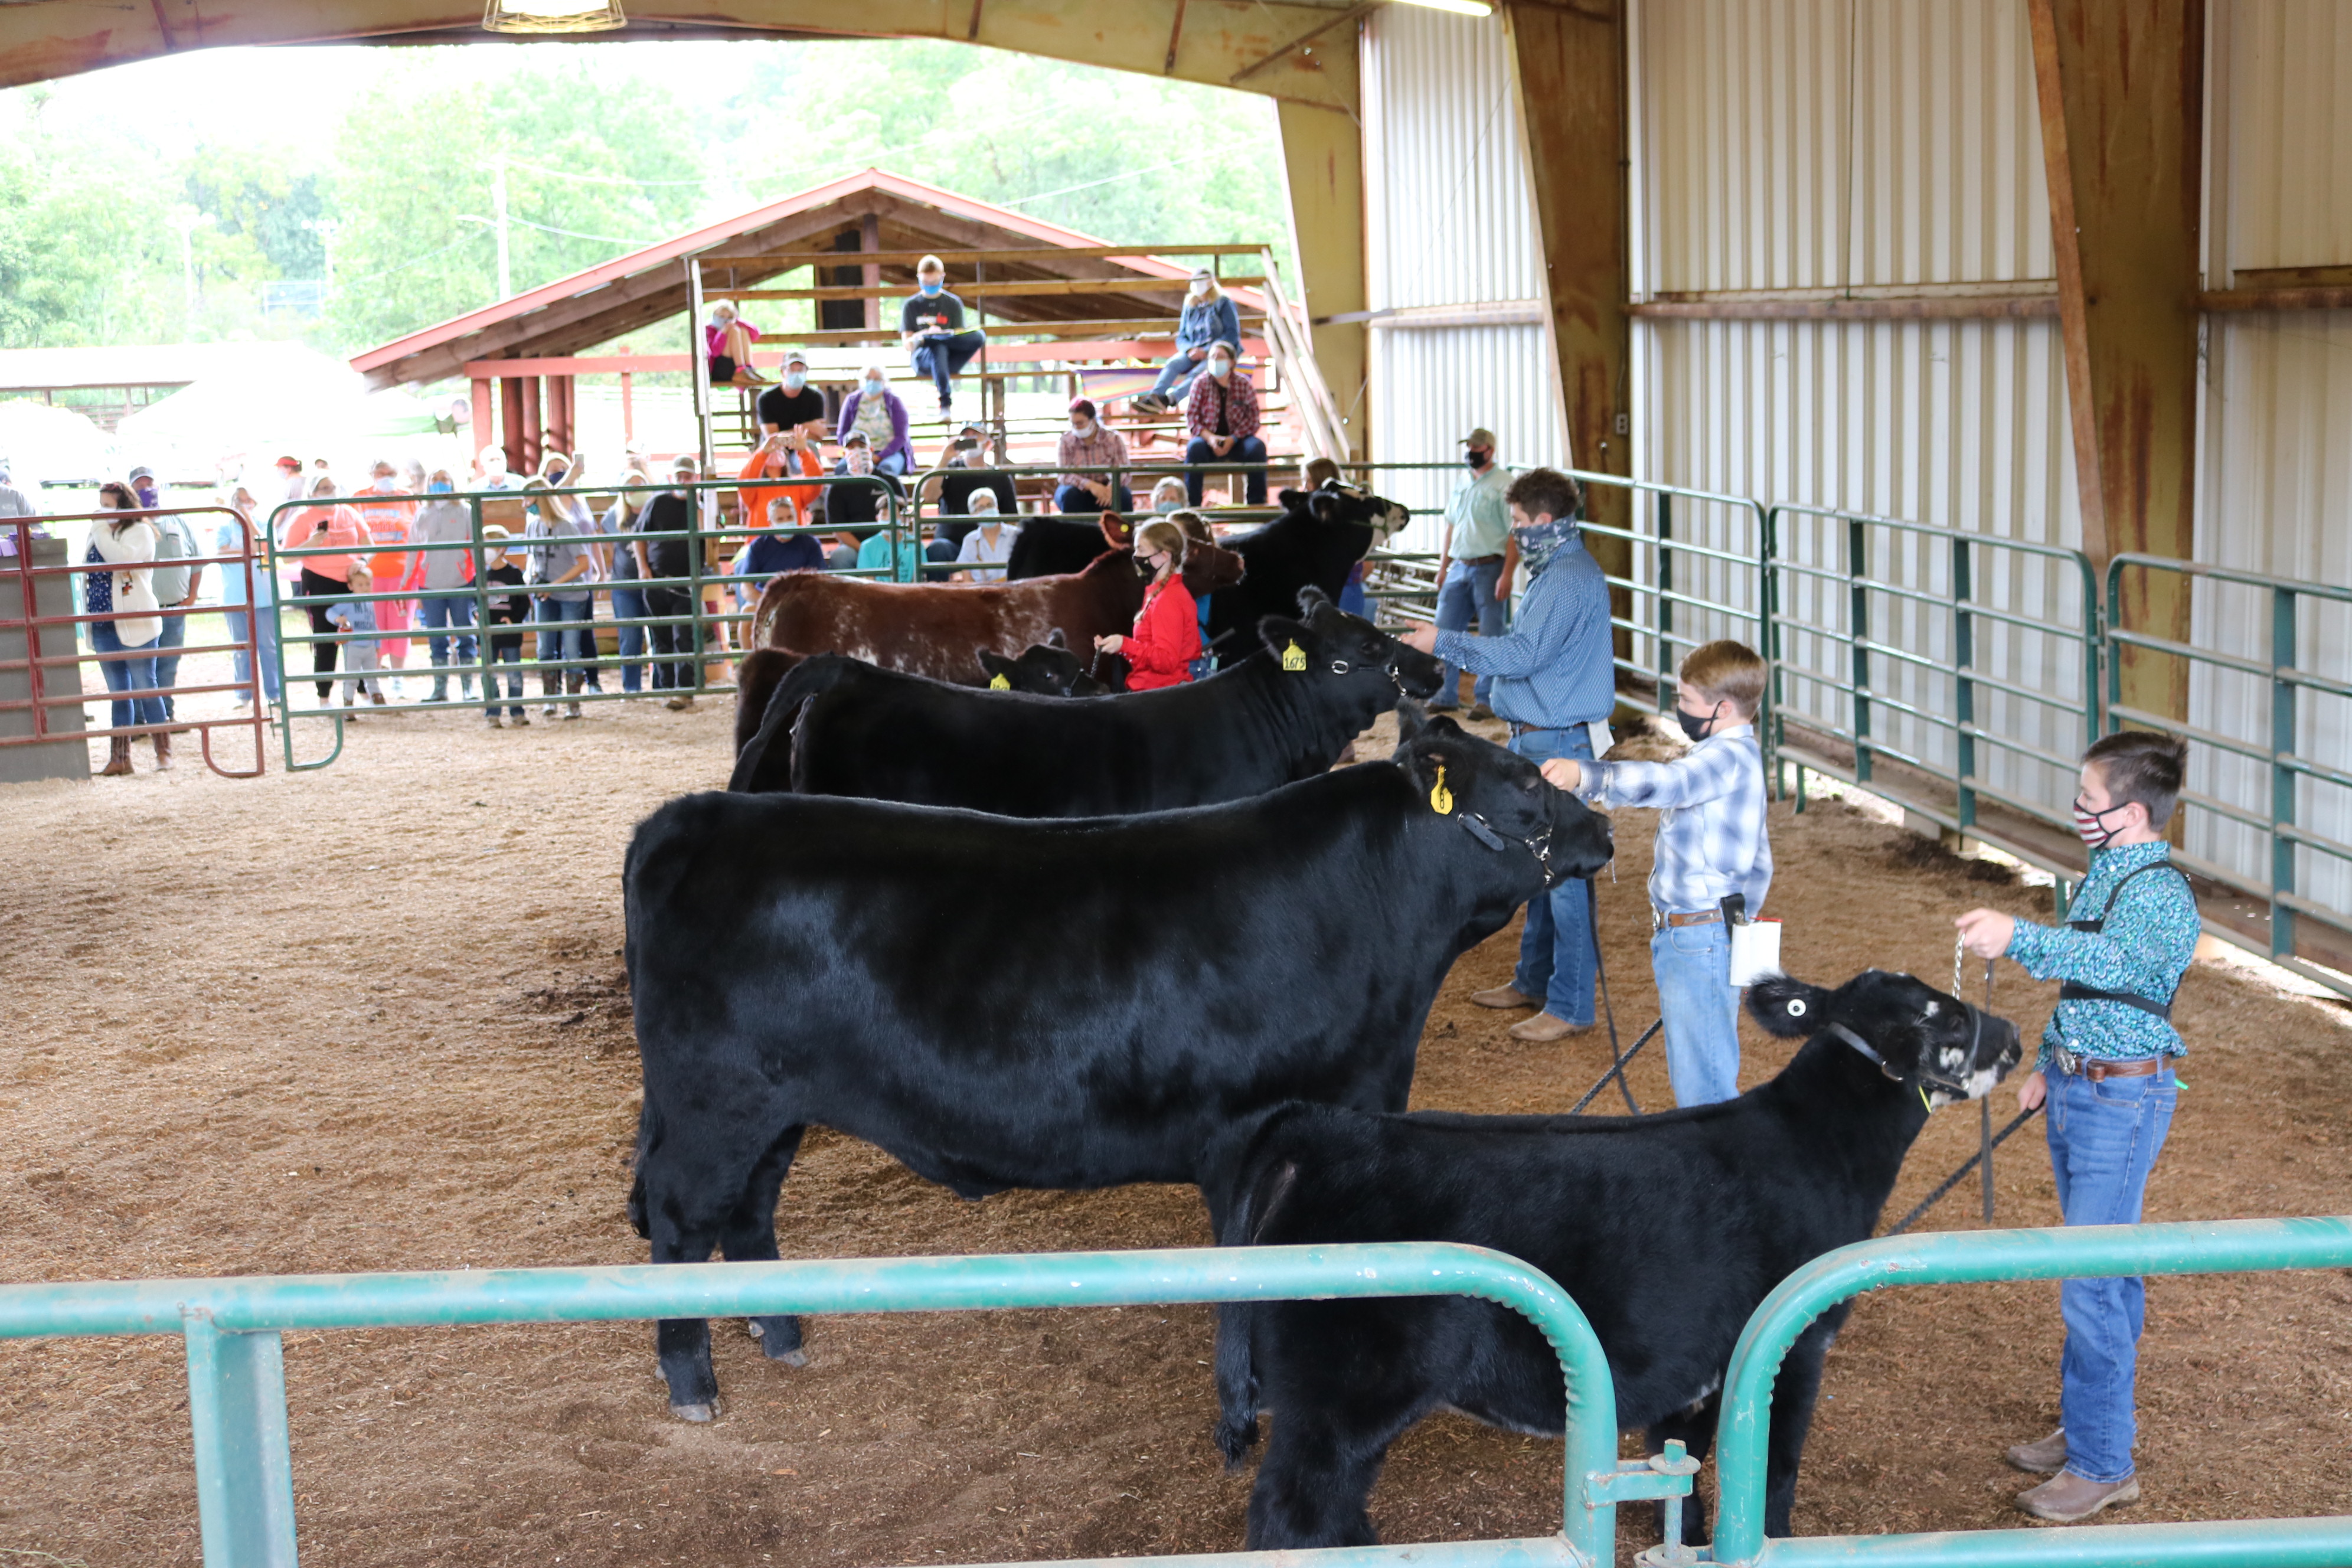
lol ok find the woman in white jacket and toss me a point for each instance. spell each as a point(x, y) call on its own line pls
point(124, 546)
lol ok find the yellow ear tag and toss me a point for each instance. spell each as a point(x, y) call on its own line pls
point(1441, 799)
point(1294, 659)
point(998, 683)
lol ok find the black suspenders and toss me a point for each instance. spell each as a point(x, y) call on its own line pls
point(2071, 990)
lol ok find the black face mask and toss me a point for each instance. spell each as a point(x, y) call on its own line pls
point(1695, 724)
point(1476, 459)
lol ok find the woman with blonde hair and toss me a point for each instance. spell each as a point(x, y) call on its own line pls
point(726, 339)
point(1210, 317)
point(1160, 651)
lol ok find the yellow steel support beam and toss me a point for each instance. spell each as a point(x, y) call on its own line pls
point(1568, 77)
point(41, 39)
point(2121, 86)
point(1323, 152)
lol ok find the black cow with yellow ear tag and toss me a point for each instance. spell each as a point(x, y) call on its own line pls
point(1498, 797)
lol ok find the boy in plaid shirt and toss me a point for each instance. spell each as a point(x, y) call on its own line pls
point(1711, 844)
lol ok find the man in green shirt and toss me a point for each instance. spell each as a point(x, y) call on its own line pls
point(1470, 565)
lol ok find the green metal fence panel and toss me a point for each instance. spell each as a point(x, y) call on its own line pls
point(1956, 1258)
point(2286, 758)
point(237, 1380)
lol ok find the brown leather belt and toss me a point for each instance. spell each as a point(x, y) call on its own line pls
point(2097, 1069)
point(1478, 559)
point(1660, 919)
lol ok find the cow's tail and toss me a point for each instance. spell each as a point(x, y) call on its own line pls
point(1246, 1219)
point(764, 763)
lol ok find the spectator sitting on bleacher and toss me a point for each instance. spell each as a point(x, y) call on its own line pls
point(1222, 416)
point(1087, 443)
point(857, 503)
point(792, 402)
point(727, 340)
point(1210, 317)
point(876, 412)
point(986, 549)
point(963, 475)
point(931, 325)
point(1167, 494)
point(770, 555)
point(782, 454)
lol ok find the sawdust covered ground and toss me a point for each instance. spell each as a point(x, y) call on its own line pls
point(373, 1019)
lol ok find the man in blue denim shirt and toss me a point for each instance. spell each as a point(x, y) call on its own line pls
point(1553, 678)
point(2105, 1072)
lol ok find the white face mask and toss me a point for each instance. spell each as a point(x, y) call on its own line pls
point(874, 385)
point(794, 381)
point(1221, 368)
point(1082, 426)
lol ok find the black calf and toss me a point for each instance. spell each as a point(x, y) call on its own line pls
point(1667, 1230)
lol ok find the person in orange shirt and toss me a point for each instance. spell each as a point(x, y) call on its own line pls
point(781, 455)
point(1167, 636)
point(326, 578)
point(390, 568)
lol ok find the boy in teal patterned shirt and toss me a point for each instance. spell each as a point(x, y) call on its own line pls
point(2105, 1072)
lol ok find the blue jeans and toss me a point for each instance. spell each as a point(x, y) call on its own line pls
point(135, 674)
point(1070, 498)
point(167, 659)
point(1700, 1009)
point(630, 605)
point(942, 359)
point(447, 612)
point(1248, 449)
point(1467, 594)
point(1556, 952)
point(1176, 375)
point(266, 625)
point(564, 643)
point(2103, 1138)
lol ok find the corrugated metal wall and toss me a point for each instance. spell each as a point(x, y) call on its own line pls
point(1833, 143)
point(1449, 221)
point(2276, 492)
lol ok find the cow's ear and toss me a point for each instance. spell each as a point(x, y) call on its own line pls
point(1787, 1006)
point(993, 664)
point(1310, 599)
point(1117, 530)
point(1412, 719)
point(1290, 499)
point(1055, 640)
point(1281, 634)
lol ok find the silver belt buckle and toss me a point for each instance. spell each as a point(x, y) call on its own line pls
point(1657, 920)
point(2068, 1062)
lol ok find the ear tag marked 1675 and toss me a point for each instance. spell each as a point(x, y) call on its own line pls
point(1294, 659)
point(998, 683)
point(1441, 799)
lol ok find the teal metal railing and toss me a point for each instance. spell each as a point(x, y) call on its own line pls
point(237, 1380)
point(1960, 1258)
point(2283, 772)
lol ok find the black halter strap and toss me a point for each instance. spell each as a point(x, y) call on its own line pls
point(2075, 991)
point(1929, 1076)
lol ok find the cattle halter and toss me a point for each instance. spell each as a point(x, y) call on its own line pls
point(1929, 1077)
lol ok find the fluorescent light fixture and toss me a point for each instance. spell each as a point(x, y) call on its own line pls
point(553, 17)
point(1459, 7)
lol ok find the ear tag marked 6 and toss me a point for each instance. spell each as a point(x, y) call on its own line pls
point(1441, 799)
point(998, 683)
point(1294, 659)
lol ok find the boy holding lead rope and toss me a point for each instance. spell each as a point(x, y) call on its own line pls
point(2105, 1072)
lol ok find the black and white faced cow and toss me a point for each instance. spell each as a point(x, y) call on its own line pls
point(1042, 670)
point(1667, 1230)
point(1316, 542)
point(1071, 1003)
point(839, 727)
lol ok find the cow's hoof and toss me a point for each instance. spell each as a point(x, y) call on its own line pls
point(694, 1412)
point(780, 1339)
point(791, 1358)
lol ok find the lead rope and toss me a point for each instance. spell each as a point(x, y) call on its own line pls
point(1986, 1139)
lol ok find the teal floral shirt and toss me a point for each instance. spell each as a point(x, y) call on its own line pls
point(2150, 938)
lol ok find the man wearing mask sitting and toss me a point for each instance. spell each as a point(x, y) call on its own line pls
point(792, 402)
point(931, 325)
point(874, 412)
point(1087, 444)
point(1222, 416)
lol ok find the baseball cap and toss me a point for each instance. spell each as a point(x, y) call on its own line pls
point(1481, 437)
point(854, 439)
point(972, 427)
point(141, 472)
point(796, 358)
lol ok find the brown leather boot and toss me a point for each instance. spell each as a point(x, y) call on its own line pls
point(1504, 997)
point(162, 753)
point(2068, 1499)
point(118, 758)
point(2046, 1457)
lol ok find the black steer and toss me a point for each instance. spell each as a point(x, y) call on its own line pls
point(1668, 1230)
point(836, 726)
point(1042, 670)
point(1066, 1004)
point(1320, 536)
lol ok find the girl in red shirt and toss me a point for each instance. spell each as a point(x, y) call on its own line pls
point(1167, 636)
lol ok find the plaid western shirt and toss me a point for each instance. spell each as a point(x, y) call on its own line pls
point(1237, 399)
point(2149, 937)
point(1100, 447)
point(1711, 840)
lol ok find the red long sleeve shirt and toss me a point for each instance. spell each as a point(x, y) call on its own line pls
point(1165, 640)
